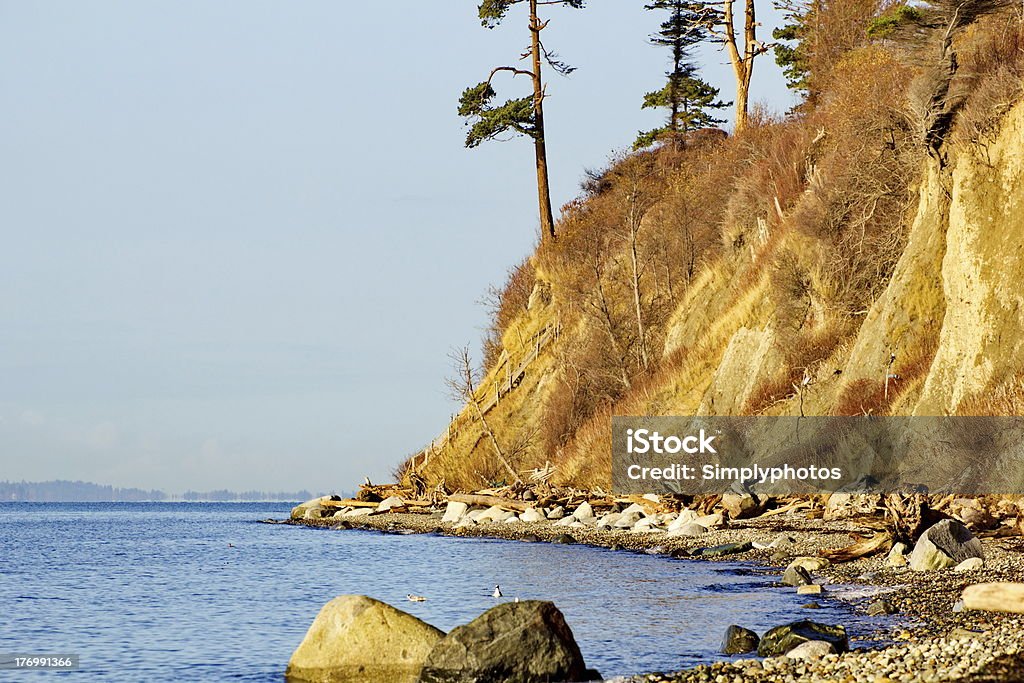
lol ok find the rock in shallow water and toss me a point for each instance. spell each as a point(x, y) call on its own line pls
point(725, 549)
point(356, 639)
point(880, 607)
point(525, 642)
point(739, 640)
point(795, 575)
point(782, 639)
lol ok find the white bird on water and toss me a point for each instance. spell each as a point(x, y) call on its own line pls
point(497, 591)
point(415, 598)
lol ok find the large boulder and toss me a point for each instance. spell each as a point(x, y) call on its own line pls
point(356, 639)
point(782, 639)
point(520, 642)
point(944, 545)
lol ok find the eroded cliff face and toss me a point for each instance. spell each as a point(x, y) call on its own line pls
point(948, 326)
point(982, 337)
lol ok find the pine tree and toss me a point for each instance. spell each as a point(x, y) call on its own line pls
point(519, 116)
point(690, 100)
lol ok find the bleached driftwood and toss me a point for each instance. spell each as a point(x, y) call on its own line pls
point(995, 597)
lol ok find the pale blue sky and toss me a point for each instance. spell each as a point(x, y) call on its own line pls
point(239, 238)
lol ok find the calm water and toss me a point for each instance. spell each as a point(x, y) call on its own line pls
point(154, 592)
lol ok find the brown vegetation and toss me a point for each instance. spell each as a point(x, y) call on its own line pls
point(793, 226)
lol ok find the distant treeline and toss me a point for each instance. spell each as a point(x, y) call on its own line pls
point(87, 492)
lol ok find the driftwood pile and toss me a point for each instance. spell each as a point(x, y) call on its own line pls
point(882, 519)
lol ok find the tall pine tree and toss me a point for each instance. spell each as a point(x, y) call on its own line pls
point(519, 116)
point(691, 101)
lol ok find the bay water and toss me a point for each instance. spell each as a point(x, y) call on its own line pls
point(204, 592)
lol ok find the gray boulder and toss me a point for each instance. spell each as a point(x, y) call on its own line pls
point(795, 575)
point(525, 642)
point(355, 639)
point(782, 639)
point(944, 545)
point(739, 640)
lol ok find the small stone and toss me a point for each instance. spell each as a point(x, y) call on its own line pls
point(971, 564)
point(454, 512)
point(812, 649)
point(897, 556)
point(532, 515)
point(710, 520)
point(741, 505)
point(810, 589)
point(959, 633)
point(584, 511)
point(880, 607)
point(634, 509)
point(389, 502)
point(782, 639)
point(726, 549)
point(811, 564)
point(564, 538)
point(556, 512)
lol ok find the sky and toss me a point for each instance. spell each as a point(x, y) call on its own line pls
point(239, 238)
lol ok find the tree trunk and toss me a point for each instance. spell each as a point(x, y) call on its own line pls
point(494, 441)
point(634, 229)
point(742, 63)
point(547, 221)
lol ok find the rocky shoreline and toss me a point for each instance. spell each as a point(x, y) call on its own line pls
point(933, 638)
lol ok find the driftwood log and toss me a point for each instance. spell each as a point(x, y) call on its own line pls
point(865, 548)
point(995, 597)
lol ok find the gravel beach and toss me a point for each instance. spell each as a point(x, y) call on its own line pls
point(931, 638)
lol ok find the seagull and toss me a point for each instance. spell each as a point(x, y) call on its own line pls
point(497, 591)
point(415, 598)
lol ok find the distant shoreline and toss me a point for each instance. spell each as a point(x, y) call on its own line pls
point(67, 491)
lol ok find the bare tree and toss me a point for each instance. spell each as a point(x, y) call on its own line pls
point(462, 387)
point(718, 18)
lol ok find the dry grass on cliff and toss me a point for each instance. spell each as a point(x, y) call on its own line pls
point(992, 72)
point(794, 225)
point(1001, 398)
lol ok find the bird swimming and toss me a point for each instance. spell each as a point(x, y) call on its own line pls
point(415, 598)
point(497, 591)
